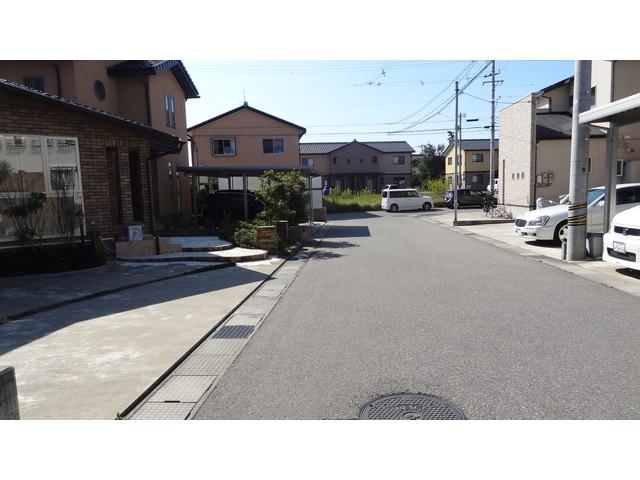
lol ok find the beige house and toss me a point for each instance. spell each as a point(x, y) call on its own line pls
point(535, 136)
point(474, 164)
point(150, 92)
point(359, 165)
point(245, 137)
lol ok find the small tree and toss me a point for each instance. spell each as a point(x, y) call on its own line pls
point(430, 163)
point(285, 197)
point(21, 204)
point(67, 214)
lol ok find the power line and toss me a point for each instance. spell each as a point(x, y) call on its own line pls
point(463, 72)
point(446, 103)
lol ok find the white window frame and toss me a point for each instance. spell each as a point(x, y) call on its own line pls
point(273, 139)
point(170, 110)
point(475, 155)
point(309, 162)
point(396, 159)
point(213, 146)
point(46, 167)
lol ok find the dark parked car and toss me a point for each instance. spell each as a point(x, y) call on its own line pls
point(231, 203)
point(468, 197)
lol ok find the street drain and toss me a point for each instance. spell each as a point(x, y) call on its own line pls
point(410, 407)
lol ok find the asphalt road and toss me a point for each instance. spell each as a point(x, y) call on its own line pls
point(394, 304)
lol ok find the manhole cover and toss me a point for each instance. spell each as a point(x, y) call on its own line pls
point(410, 407)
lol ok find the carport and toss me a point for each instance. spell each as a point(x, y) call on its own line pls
point(625, 111)
point(251, 171)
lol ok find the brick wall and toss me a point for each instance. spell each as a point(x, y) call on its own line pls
point(21, 115)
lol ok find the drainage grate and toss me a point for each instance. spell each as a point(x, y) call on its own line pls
point(234, 331)
point(410, 407)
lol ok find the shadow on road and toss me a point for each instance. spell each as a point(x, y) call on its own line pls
point(346, 231)
point(354, 216)
point(21, 332)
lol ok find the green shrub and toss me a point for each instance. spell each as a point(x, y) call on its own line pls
point(285, 197)
point(245, 235)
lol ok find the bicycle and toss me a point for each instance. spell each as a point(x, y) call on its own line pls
point(501, 212)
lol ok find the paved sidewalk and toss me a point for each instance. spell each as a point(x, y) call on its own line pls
point(31, 293)
point(91, 359)
point(504, 236)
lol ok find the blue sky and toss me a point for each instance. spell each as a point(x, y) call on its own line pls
point(335, 101)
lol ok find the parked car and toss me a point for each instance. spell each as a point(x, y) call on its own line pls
point(230, 203)
point(550, 223)
point(495, 186)
point(622, 241)
point(468, 197)
point(404, 199)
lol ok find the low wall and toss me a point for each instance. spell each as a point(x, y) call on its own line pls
point(8, 394)
point(146, 246)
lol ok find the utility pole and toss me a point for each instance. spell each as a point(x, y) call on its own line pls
point(493, 122)
point(577, 220)
point(455, 161)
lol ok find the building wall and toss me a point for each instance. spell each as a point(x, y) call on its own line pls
point(26, 116)
point(554, 156)
point(516, 160)
point(174, 191)
point(85, 74)
point(132, 99)
point(16, 71)
point(249, 129)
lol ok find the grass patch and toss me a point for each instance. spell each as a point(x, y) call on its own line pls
point(350, 201)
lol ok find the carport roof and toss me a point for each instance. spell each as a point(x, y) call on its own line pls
point(621, 112)
point(208, 171)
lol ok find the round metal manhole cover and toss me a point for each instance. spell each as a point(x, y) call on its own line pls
point(410, 407)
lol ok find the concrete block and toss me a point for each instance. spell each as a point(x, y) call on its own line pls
point(8, 394)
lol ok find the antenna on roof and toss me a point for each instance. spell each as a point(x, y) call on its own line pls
point(244, 99)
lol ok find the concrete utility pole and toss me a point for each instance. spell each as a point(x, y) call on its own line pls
point(577, 221)
point(492, 148)
point(455, 161)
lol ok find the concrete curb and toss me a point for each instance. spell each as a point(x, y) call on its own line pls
point(51, 306)
point(9, 408)
point(460, 223)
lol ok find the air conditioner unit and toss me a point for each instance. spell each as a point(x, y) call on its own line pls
point(135, 233)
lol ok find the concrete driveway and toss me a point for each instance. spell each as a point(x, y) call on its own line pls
point(91, 359)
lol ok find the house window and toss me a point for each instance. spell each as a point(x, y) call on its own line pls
point(362, 160)
point(399, 180)
point(170, 110)
point(273, 145)
point(374, 159)
point(37, 83)
point(308, 162)
point(589, 165)
point(449, 161)
point(398, 160)
point(620, 168)
point(348, 160)
point(335, 160)
point(223, 146)
point(477, 157)
point(476, 178)
point(99, 90)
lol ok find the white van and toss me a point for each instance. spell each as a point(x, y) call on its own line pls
point(404, 199)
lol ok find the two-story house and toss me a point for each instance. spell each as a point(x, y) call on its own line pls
point(149, 92)
point(244, 137)
point(360, 165)
point(535, 133)
point(474, 164)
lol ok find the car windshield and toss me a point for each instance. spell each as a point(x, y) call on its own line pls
point(594, 194)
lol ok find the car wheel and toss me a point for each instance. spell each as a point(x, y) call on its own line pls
point(426, 206)
point(393, 208)
point(561, 232)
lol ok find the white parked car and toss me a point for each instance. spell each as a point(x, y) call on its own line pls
point(622, 242)
point(550, 223)
point(404, 199)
